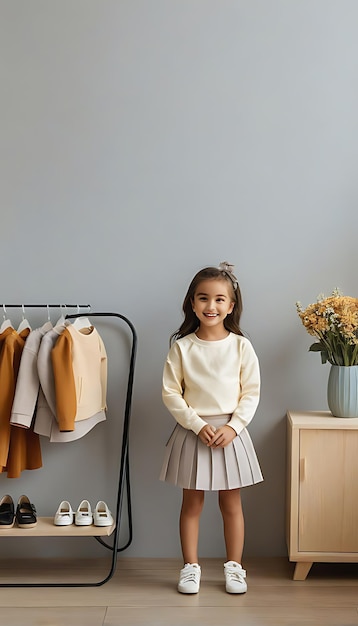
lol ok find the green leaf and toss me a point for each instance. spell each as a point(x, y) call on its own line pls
point(316, 347)
point(324, 357)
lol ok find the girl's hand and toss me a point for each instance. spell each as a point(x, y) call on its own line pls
point(222, 437)
point(206, 434)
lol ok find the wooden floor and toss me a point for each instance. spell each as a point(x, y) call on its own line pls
point(143, 592)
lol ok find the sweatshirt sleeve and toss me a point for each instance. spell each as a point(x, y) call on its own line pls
point(66, 405)
point(249, 392)
point(172, 393)
point(103, 372)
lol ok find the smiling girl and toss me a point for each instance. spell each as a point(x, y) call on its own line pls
point(211, 386)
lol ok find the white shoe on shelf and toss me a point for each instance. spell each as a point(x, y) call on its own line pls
point(235, 577)
point(83, 515)
point(189, 580)
point(64, 514)
point(102, 515)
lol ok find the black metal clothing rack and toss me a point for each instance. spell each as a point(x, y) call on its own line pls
point(123, 478)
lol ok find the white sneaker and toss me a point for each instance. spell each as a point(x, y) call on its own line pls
point(83, 516)
point(189, 581)
point(64, 514)
point(235, 577)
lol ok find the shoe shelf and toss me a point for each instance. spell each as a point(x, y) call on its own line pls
point(46, 528)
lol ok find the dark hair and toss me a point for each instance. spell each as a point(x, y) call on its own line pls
point(190, 323)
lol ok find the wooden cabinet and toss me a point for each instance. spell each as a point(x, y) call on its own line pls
point(322, 489)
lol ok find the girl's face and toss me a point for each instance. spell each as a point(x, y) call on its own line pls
point(212, 302)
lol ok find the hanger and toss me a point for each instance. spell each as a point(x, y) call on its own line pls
point(47, 325)
point(81, 322)
point(61, 320)
point(7, 322)
point(24, 323)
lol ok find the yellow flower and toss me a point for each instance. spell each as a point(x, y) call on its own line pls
point(334, 321)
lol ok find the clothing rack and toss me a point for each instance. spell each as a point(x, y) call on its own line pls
point(44, 306)
point(123, 477)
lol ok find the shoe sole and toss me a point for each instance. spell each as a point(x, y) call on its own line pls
point(189, 593)
point(236, 592)
point(7, 526)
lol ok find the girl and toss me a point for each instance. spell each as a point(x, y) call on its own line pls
point(211, 385)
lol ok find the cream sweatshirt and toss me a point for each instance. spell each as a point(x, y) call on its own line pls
point(203, 378)
point(79, 363)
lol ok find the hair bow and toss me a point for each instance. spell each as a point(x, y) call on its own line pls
point(228, 268)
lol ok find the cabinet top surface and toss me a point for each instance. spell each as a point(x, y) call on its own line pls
point(320, 419)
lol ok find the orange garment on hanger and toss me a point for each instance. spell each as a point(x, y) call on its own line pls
point(19, 448)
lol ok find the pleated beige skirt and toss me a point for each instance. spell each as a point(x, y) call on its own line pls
point(190, 464)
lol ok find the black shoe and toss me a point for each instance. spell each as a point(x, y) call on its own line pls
point(25, 513)
point(7, 512)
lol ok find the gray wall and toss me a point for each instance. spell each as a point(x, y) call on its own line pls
point(142, 140)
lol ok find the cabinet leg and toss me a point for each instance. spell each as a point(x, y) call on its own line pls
point(301, 571)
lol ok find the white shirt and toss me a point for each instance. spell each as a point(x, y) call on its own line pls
point(203, 378)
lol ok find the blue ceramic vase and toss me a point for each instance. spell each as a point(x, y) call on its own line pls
point(342, 391)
